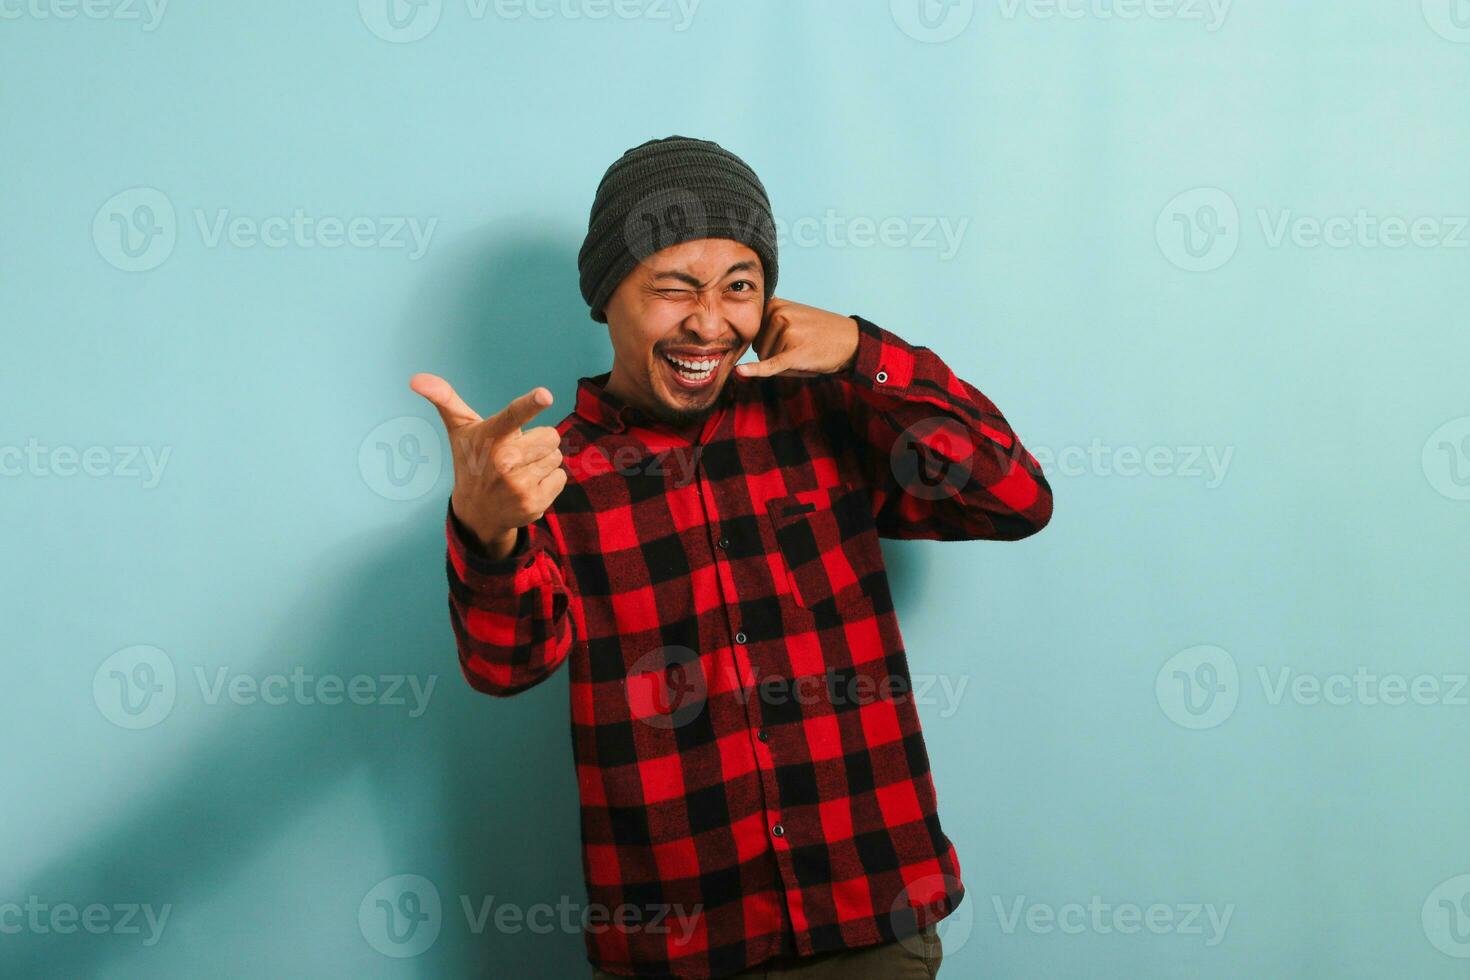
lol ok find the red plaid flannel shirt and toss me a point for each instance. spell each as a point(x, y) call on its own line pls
point(752, 774)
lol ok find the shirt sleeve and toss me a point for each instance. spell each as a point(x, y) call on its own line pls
point(943, 463)
point(510, 615)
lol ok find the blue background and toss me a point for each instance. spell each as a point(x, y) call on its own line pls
point(1122, 286)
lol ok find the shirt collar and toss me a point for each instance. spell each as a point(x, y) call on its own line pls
point(604, 409)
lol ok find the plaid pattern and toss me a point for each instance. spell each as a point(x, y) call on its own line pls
point(752, 774)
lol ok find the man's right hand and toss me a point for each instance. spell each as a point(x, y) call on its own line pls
point(504, 478)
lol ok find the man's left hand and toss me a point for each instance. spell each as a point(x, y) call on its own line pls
point(801, 341)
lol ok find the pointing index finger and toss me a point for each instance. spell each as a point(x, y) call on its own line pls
point(520, 411)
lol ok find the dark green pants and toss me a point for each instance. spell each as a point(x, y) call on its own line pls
point(913, 958)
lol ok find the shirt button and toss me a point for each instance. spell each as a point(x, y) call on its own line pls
point(739, 637)
point(724, 542)
point(762, 735)
point(881, 377)
point(779, 830)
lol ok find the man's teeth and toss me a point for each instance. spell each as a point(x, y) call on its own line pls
point(694, 370)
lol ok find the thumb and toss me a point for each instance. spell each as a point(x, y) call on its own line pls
point(441, 394)
point(767, 367)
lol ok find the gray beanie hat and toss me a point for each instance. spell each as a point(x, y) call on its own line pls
point(668, 191)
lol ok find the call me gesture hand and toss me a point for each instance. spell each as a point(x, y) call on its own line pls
point(801, 341)
point(504, 478)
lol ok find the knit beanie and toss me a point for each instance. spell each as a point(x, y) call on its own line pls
point(668, 191)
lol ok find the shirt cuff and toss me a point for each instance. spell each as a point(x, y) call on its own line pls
point(477, 570)
point(884, 362)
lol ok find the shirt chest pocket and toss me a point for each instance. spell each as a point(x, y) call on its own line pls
point(828, 545)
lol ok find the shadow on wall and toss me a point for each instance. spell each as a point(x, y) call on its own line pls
point(477, 794)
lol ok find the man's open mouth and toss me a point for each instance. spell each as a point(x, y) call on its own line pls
point(693, 370)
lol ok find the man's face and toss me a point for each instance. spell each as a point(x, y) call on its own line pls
point(699, 302)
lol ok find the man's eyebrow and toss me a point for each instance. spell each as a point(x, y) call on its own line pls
point(684, 277)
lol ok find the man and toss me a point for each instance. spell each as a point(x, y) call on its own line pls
point(700, 541)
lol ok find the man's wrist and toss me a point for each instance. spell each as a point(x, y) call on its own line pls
point(494, 545)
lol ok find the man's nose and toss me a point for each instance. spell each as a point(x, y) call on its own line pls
point(707, 322)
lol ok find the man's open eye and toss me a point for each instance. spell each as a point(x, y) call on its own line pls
point(742, 282)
